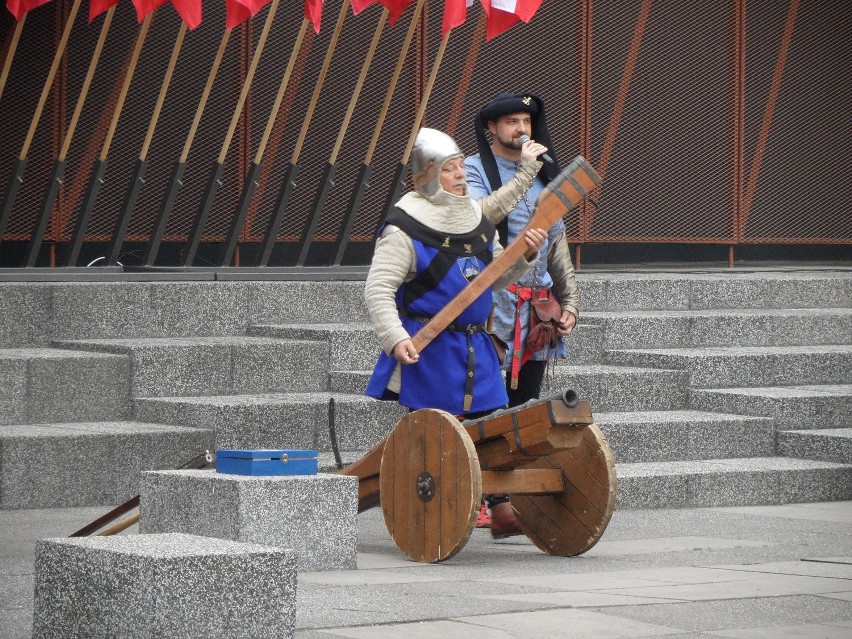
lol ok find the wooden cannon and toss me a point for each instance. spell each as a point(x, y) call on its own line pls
point(431, 472)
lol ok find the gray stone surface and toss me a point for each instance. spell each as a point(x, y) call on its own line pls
point(169, 585)
point(306, 302)
point(792, 407)
point(62, 385)
point(88, 463)
point(769, 571)
point(164, 367)
point(644, 436)
point(830, 444)
point(724, 327)
point(731, 482)
point(25, 314)
point(622, 388)
point(84, 310)
point(715, 367)
point(278, 420)
point(313, 515)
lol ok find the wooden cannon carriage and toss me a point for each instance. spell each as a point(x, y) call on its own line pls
point(431, 472)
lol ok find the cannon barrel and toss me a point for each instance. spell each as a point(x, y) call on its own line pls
point(568, 397)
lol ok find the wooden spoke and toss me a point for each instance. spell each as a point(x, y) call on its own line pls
point(431, 486)
point(570, 522)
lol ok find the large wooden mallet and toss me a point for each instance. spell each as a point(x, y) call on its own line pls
point(562, 195)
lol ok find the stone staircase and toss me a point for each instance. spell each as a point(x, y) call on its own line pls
point(715, 387)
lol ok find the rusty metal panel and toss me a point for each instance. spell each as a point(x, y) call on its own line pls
point(798, 127)
point(663, 113)
point(543, 57)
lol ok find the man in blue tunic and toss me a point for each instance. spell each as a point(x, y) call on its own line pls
point(507, 118)
point(431, 245)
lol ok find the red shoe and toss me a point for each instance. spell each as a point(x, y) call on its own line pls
point(503, 521)
point(483, 520)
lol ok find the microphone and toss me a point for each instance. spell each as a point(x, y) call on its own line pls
point(544, 156)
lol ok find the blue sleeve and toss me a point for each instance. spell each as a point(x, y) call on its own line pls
point(477, 184)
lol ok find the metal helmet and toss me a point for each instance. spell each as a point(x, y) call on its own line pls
point(431, 149)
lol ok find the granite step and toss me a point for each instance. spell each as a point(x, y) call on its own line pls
point(616, 290)
point(829, 444)
point(165, 367)
point(792, 407)
point(608, 388)
point(54, 385)
point(354, 346)
point(658, 436)
point(737, 366)
point(58, 465)
point(724, 327)
point(753, 481)
point(278, 420)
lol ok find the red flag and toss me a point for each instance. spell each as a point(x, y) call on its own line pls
point(313, 12)
point(144, 7)
point(188, 10)
point(238, 11)
point(455, 13)
point(502, 14)
point(395, 8)
point(97, 7)
point(359, 5)
point(20, 7)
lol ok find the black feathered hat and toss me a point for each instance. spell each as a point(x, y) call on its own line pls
point(504, 104)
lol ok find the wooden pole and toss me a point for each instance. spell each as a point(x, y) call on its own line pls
point(7, 63)
point(330, 169)
point(142, 163)
point(97, 177)
point(215, 178)
point(253, 178)
point(21, 164)
point(40, 226)
point(177, 173)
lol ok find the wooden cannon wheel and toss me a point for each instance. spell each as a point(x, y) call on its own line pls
point(569, 523)
point(430, 484)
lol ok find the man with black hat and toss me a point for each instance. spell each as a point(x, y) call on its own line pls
point(515, 121)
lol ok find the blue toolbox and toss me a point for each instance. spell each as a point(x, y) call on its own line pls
point(267, 462)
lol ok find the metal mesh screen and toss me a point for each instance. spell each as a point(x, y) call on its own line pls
point(798, 129)
point(663, 120)
point(697, 114)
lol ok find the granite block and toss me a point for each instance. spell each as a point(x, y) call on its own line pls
point(649, 436)
point(715, 367)
point(648, 292)
point(281, 420)
point(622, 388)
point(88, 464)
point(287, 511)
point(25, 314)
point(273, 365)
point(84, 310)
point(792, 407)
point(350, 346)
point(830, 444)
point(182, 309)
point(77, 386)
point(300, 302)
point(169, 585)
point(13, 387)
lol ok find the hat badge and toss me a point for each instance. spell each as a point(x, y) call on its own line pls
point(526, 100)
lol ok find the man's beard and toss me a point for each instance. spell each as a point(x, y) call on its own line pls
point(509, 143)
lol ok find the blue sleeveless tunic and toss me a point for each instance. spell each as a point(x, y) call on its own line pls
point(440, 377)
